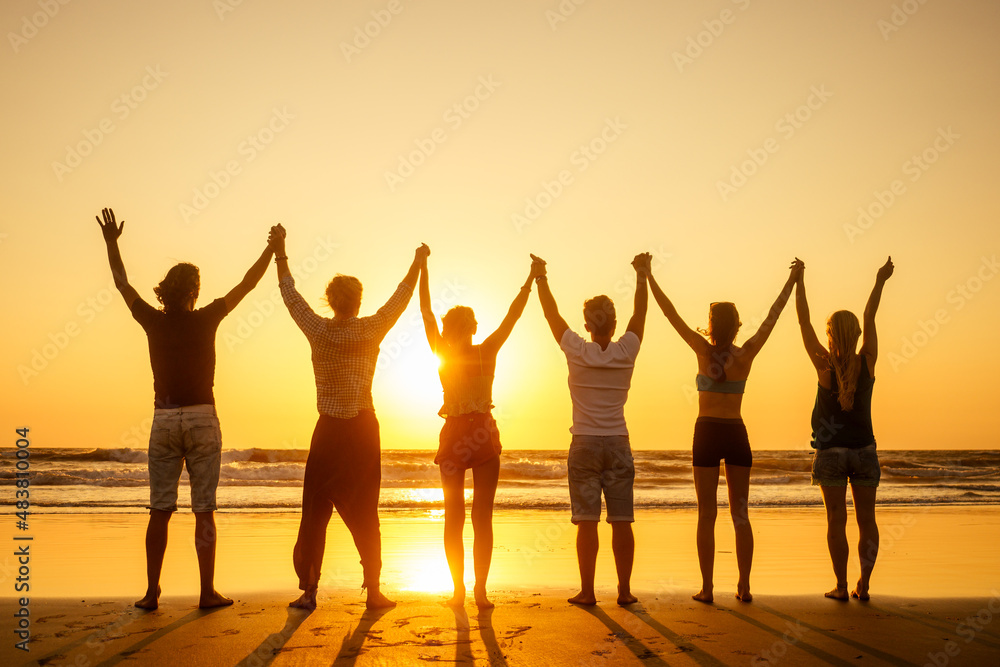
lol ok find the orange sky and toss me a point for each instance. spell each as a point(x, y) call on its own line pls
point(724, 137)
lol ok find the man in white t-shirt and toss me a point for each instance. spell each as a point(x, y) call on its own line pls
point(600, 457)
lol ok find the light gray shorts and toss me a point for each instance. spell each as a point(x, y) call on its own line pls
point(599, 463)
point(188, 436)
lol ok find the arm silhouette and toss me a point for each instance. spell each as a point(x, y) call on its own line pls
point(495, 340)
point(557, 324)
point(817, 353)
point(111, 232)
point(756, 341)
point(869, 340)
point(689, 335)
point(430, 321)
point(637, 324)
point(252, 277)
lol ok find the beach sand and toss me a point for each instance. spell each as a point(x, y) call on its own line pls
point(935, 595)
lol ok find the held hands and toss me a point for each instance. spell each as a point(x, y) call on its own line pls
point(276, 240)
point(538, 269)
point(421, 254)
point(885, 271)
point(643, 263)
point(112, 231)
point(797, 268)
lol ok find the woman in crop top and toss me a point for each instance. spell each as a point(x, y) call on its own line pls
point(842, 429)
point(469, 438)
point(719, 433)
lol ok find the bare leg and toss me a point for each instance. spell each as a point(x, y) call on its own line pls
point(623, 546)
point(484, 481)
point(835, 500)
point(706, 488)
point(156, 546)
point(738, 482)
point(204, 545)
point(587, 544)
point(864, 509)
point(453, 486)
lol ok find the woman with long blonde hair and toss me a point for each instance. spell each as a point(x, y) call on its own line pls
point(842, 429)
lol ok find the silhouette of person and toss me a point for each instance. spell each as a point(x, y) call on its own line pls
point(600, 455)
point(719, 432)
point(185, 430)
point(842, 429)
point(469, 437)
point(343, 469)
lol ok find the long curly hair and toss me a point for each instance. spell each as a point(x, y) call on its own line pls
point(843, 331)
point(723, 325)
point(181, 282)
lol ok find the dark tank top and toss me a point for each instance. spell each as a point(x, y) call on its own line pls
point(832, 426)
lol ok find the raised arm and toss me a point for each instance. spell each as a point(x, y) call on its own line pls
point(253, 275)
point(305, 317)
point(690, 336)
point(419, 259)
point(111, 232)
point(756, 341)
point(430, 321)
point(495, 340)
point(869, 337)
point(641, 264)
point(817, 353)
point(276, 240)
point(556, 323)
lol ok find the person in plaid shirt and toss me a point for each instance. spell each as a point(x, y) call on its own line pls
point(343, 469)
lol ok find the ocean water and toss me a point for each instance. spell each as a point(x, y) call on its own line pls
point(270, 480)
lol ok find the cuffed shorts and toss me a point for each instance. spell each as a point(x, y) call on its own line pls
point(189, 436)
point(601, 463)
point(834, 466)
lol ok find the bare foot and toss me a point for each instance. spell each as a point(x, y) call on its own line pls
point(214, 599)
point(625, 597)
point(702, 596)
point(305, 601)
point(583, 598)
point(837, 593)
point(481, 600)
point(860, 592)
point(744, 597)
point(378, 601)
point(456, 600)
point(150, 601)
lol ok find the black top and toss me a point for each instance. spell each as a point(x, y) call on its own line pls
point(832, 426)
point(181, 351)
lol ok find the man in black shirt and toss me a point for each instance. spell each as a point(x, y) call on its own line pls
point(185, 429)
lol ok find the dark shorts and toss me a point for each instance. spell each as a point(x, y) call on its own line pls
point(834, 466)
point(717, 439)
point(467, 441)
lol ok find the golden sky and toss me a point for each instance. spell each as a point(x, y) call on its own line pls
point(724, 137)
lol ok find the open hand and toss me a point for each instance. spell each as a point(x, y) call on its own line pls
point(110, 230)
